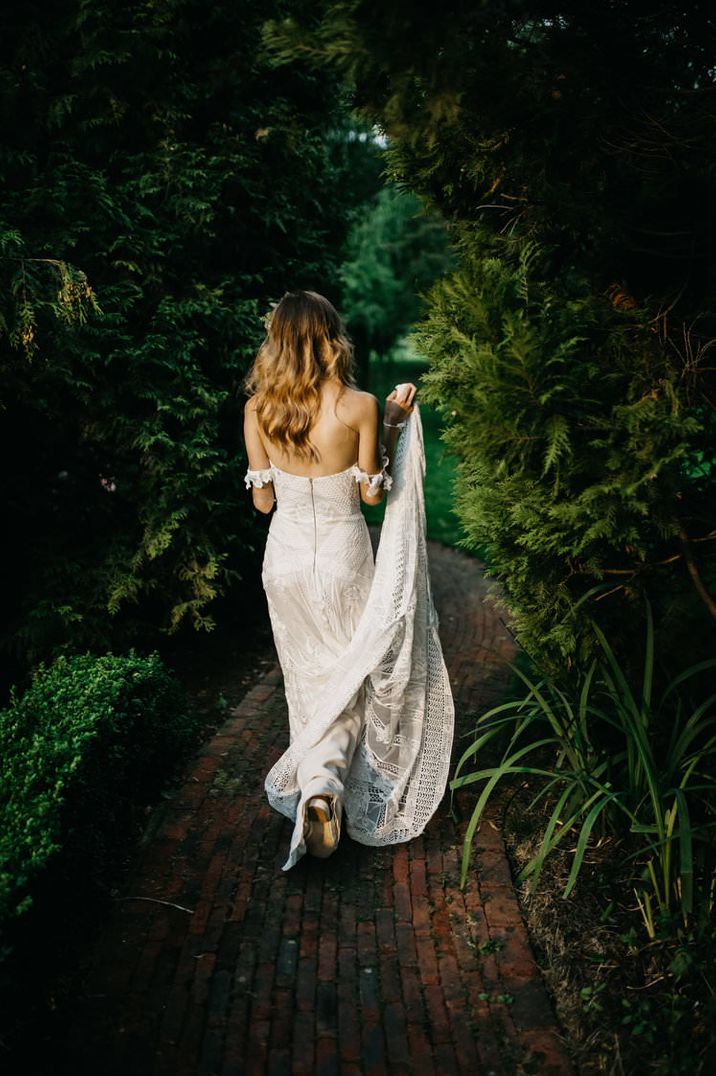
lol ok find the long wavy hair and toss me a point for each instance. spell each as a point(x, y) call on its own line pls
point(306, 342)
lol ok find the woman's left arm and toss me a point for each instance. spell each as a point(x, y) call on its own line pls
point(263, 493)
point(398, 405)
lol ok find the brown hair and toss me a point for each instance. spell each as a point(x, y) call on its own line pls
point(306, 342)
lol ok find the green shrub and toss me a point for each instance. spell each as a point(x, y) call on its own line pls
point(577, 448)
point(90, 736)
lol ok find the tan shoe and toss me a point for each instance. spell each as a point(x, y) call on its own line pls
point(322, 830)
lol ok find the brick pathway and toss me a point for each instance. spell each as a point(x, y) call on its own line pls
point(373, 961)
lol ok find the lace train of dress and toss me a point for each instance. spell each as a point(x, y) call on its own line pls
point(370, 706)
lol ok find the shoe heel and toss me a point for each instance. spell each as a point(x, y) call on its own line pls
point(323, 828)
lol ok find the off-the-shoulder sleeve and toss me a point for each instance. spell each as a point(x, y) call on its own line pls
point(258, 478)
point(375, 481)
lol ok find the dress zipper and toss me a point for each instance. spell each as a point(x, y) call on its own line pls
point(315, 534)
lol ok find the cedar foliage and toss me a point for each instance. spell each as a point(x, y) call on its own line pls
point(571, 151)
point(160, 184)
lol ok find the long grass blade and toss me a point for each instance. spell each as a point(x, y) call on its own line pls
point(536, 862)
point(584, 834)
point(648, 661)
point(692, 729)
point(692, 670)
point(686, 856)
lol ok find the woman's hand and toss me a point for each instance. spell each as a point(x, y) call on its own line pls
point(399, 403)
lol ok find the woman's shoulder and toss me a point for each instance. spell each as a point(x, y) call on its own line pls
point(358, 405)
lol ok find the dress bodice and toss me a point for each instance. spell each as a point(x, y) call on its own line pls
point(330, 497)
point(326, 497)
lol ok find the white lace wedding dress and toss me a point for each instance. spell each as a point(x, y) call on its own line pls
point(370, 706)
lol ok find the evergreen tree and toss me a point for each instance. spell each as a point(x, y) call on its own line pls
point(161, 184)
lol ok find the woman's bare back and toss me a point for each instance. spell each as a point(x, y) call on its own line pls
point(344, 431)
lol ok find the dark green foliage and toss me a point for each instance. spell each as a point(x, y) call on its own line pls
point(159, 186)
point(572, 154)
point(579, 450)
point(90, 736)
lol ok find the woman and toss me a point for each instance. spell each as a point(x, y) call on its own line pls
point(364, 676)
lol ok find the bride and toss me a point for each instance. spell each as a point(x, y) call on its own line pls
point(369, 702)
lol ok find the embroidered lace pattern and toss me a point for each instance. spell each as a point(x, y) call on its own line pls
point(375, 481)
point(341, 622)
point(258, 478)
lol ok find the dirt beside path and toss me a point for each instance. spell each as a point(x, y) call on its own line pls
point(374, 961)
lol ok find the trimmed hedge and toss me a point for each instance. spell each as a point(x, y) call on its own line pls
point(90, 737)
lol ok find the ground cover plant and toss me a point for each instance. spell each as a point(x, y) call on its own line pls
point(611, 769)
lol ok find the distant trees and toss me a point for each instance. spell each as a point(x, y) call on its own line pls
point(160, 183)
point(394, 252)
point(572, 153)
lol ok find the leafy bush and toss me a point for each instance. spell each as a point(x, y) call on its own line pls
point(90, 735)
point(152, 177)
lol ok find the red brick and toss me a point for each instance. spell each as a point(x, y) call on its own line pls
point(326, 1056)
point(373, 1049)
point(306, 985)
point(292, 908)
point(280, 1033)
point(400, 864)
point(412, 995)
point(367, 949)
point(407, 951)
point(501, 909)
point(349, 1024)
point(327, 951)
point(421, 915)
point(492, 869)
point(304, 1036)
point(308, 943)
point(396, 1035)
point(370, 1003)
point(437, 1014)
point(347, 964)
point(390, 977)
point(402, 902)
point(418, 881)
point(262, 986)
point(427, 960)
point(445, 1057)
point(385, 929)
point(421, 1052)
